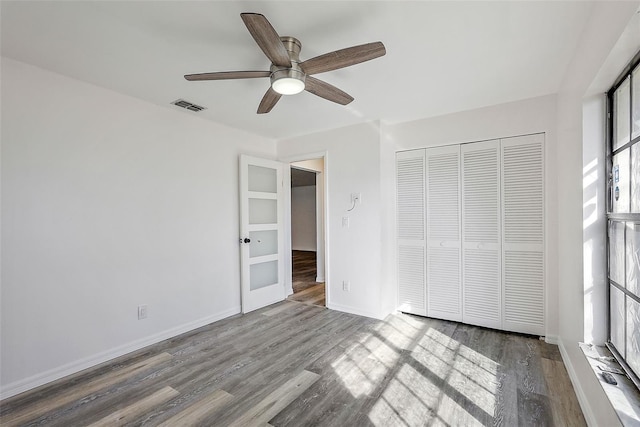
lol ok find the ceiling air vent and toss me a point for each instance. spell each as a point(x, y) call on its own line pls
point(188, 105)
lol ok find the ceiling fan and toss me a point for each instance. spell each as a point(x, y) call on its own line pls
point(288, 74)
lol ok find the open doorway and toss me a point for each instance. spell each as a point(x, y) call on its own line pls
point(307, 232)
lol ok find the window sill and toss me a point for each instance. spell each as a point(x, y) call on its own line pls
point(624, 397)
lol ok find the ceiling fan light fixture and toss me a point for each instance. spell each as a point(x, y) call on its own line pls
point(287, 73)
point(288, 81)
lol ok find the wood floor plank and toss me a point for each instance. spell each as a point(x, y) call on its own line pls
point(533, 404)
point(194, 414)
point(304, 269)
point(565, 408)
point(107, 380)
point(331, 398)
point(463, 400)
point(125, 415)
point(305, 287)
point(279, 309)
point(300, 355)
point(404, 370)
point(285, 351)
point(254, 359)
point(314, 289)
point(317, 300)
point(276, 401)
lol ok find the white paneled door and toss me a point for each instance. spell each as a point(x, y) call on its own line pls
point(523, 233)
point(444, 289)
point(481, 242)
point(410, 174)
point(261, 232)
point(471, 233)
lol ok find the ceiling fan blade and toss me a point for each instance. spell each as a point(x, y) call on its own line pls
point(269, 100)
point(327, 91)
point(227, 75)
point(267, 38)
point(343, 58)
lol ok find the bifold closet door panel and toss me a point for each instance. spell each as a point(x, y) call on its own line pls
point(444, 285)
point(523, 234)
point(410, 182)
point(481, 242)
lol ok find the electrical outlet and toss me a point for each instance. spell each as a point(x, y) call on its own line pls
point(345, 222)
point(142, 312)
point(346, 286)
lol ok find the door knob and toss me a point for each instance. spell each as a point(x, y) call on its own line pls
point(247, 240)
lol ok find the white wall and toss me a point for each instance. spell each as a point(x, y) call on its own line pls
point(388, 266)
point(352, 164)
point(594, 186)
point(303, 218)
point(605, 26)
point(529, 116)
point(107, 203)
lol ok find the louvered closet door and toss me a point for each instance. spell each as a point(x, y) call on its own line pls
point(444, 293)
point(410, 179)
point(481, 271)
point(523, 233)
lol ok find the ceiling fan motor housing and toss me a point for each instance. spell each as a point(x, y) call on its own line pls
point(293, 47)
point(289, 81)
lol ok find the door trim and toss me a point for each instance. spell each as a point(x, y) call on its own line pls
point(287, 219)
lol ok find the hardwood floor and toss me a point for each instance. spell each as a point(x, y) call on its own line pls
point(293, 364)
point(305, 287)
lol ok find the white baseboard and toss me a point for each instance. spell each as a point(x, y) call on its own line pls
point(577, 386)
point(37, 380)
point(552, 339)
point(355, 310)
point(320, 279)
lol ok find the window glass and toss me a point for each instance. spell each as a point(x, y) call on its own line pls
point(633, 258)
point(623, 237)
point(621, 111)
point(632, 351)
point(617, 308)
point(616, 252)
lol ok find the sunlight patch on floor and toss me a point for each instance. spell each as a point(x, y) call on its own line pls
point(354, 375)
point(467, 384)
point(408, 400)
point(450, 413)
point(399, 331)
point(436, 352)
point(366, 363)
point(446, 377)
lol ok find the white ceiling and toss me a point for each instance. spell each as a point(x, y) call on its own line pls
point(442, 57)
